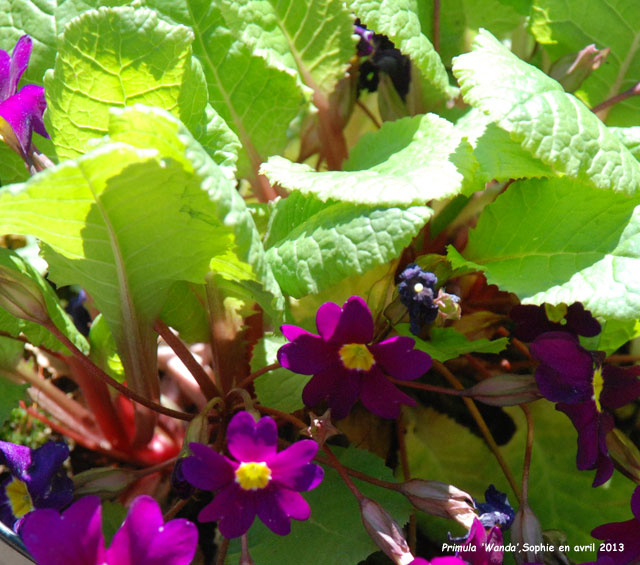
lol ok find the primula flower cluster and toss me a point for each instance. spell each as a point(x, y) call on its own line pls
point(417, 292)
point(22, 110)
point(257, 481)
point(347, 366)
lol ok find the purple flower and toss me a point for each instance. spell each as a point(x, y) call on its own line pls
point(531, 321)
point(36, 480)
point(75, 536)
point(583, 389)
point(346, 366)
point(496, 511)
point(21, 110)
point(480, 547)
point(624, 537)
point(257, 481)
point(417, 292)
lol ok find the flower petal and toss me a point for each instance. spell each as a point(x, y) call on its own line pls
point(73, 538)
point(11, 68)
point(399, 358)
point(23, 112)
point(48, 485)
point(291, 467)
point(621, 386)
point(307, 354)
point(248, 440)
point(381, 397)
point(321, 385)
point(344, 393)
point(276, 507)
point(625, 533)
point(355, 324)
point(327, 319)
point(635, 504)
point(206, 469)
point(292, 332)
point(233, 509)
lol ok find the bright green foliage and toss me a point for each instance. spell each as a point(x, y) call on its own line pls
point(400, 22)
point(560, 241)
point(184, 311)
point(281, 388)
point(256, 100)
point(377, 173)
point(34, 18)
point(553, 126)
point(103, 349)
point(562, 497)
point(630, 138)
point(313, 38)
point(447, 343)
point(10, 392)
point(338, 241)
point(119, 57)
point(12, 167)
point(569, 26)
point(335, 516)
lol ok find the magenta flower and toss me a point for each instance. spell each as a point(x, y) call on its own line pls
point(36, 480)
point(623, 538)
point(21, 110)
point(531, 321)
point(75, 536)
point(346, 366)
point(480, 547)
point(258, 480)
point(584, 389)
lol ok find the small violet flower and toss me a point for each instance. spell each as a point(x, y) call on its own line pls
point(496, 511)
point(623, 538)
point(417, 292)
point(584, 389)
point(345, 364)
point(75, 536)
point(258, 480)
point(23, 109)
point(481, 547)
point(36, 480)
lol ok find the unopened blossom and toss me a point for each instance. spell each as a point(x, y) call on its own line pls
point(36, 480)
point(586, 391)
point(622, 538)
point(346, 366)
point(22, 110)
point(256, 480)
point(75, 536)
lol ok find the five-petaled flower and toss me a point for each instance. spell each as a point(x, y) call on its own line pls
point(36, 480)
point(584, 389)
point(622, 538)
point(22, 110)
point(75, 536)
point(258, 480)
point(345, 364)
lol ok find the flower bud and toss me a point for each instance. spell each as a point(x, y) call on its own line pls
point(22, 297)
point(573, 69)
point(625, 454)
point(440, 499)
point(505, 390)
point(385, 532)
point(103, 481)
point(526, 529)
point(321, 428)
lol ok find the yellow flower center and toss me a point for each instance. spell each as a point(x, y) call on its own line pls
point(356, 356)
point(19, 498)
point(253, 476)
point(598, 383)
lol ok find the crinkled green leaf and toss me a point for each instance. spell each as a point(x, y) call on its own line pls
point(34, 18)
point(12, 167)
point(313, 38)
point(280, 388)
point(339, 241)
point(447, 343)
point(560, 241)
point(335, 516)
point(630, 138)
point(220, 142)
point(562, 497)
point(377, 172)
point(569, 26)
point(119, 57)
point(553, 126)
point(399, 21)
point(257, 100)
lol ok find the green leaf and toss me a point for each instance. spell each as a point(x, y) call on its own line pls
point(567, 27)
point(103, 349)
point(113, 514)
point(34, 18)
point(630, 138)
point(399, 21)
point(377, 173)
point(10, 393)
point(255, 99)
point(280, 388)
point(335, 515)
point(12, 167)
point(313, 38)
point(447, 343)
point(560, 241)
point(562, 497)
point(339, 241)
point(553, 126)
point(615, 333)
point(185, 311)
point(119, 57)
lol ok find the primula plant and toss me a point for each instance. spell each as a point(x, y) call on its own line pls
point(320, 281)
